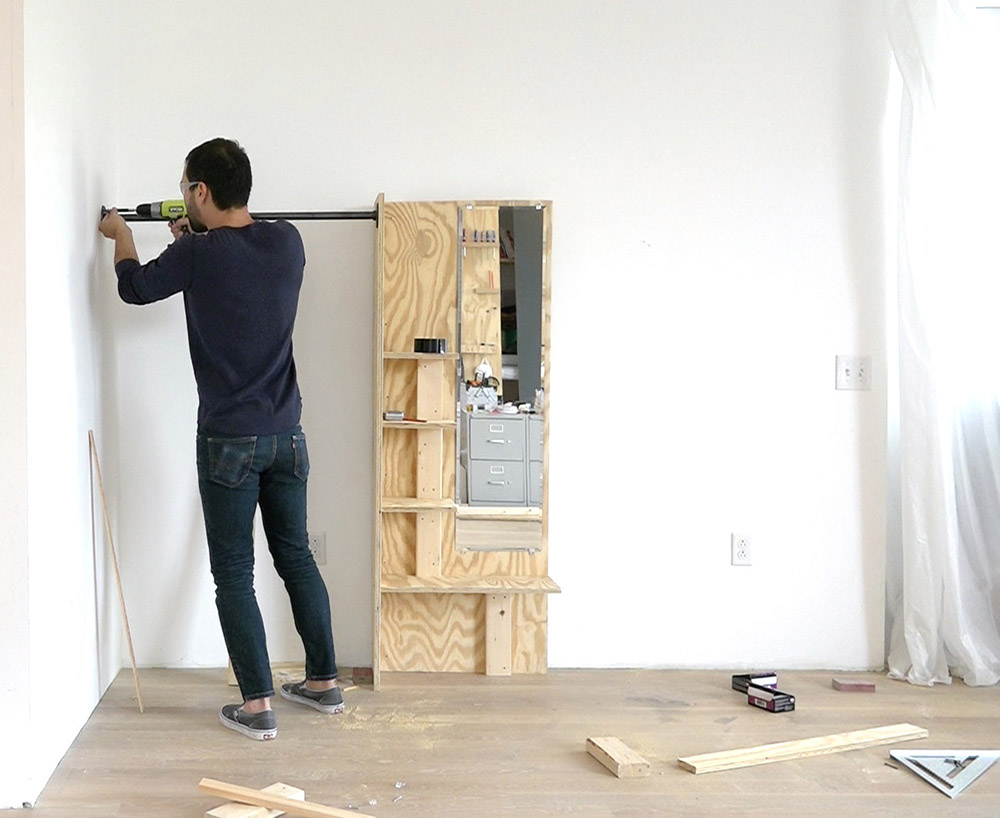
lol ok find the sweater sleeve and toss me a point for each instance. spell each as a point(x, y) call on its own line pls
point(160, 278)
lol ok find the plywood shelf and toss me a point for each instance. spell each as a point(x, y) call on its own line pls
point(416, 504)
point(420, 356)
point(406, 584)
point(499, 513)
point(419, 424)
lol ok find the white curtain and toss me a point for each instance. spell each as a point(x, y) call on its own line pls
point(943, 589)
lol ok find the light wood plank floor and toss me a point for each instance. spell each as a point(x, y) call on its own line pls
point(467, 745)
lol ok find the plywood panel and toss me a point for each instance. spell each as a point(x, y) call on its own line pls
point(400, 387)
point(399, 463)
point(420, 280)
point(399, 537)
point(433, 632)
point(529, 634)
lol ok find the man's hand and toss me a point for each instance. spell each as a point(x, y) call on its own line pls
point(178, 227)
point(113, 226)
point(112, 223)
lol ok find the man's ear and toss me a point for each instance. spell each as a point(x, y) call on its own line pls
point(204, 194)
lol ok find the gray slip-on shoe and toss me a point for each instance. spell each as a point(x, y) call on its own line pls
point(258, 726)
point(327, 701)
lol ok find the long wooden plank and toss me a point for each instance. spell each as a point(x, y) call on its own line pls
point(802, 748)
point(232, 809)
point(259, 798)
point(378, 376)
point(618, 757)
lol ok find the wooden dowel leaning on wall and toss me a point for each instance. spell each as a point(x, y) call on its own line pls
point(114, 562)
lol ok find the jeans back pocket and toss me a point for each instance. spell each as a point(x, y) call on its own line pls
point(301, 456)
point(230, 459)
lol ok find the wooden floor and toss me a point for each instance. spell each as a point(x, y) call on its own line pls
point(463, 745)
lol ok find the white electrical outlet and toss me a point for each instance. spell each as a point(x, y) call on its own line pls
point(740, 546)
point(854, 372)
point(317, 545)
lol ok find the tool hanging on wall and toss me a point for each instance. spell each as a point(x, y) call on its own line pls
point(171, 209)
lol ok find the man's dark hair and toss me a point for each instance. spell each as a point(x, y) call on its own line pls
point(224, 168)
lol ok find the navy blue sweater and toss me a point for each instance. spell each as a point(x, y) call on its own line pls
point(241, 292)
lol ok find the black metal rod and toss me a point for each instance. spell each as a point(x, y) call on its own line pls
point(294, 216)
point(323, 215)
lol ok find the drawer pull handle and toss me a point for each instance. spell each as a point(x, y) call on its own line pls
point(498, 482)
point(499, 440)
point(527, 549)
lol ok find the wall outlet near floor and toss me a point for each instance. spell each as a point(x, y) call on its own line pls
point(740, 546)
point(317, 545)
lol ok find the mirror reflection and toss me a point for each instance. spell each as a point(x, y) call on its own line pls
point(501, 369)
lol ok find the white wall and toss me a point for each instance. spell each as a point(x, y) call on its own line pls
point(717, 241)
point(68, 157)
point(715, 173)
point(15, 678)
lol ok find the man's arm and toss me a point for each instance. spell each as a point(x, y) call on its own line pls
point(113, 226)
point(144, 283)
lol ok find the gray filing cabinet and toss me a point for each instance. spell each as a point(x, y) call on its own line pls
point(502, 455)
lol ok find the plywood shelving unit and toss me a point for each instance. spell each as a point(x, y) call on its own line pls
point(440, 607)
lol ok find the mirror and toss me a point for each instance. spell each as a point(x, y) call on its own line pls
point(502, 309)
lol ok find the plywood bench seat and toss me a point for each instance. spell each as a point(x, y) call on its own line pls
point(406, 584)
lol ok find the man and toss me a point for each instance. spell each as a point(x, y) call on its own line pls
point(240, 279)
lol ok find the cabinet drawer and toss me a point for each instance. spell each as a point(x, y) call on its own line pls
point(496, 482)
point(496, 438)
point(534, 483)
point(536, 435)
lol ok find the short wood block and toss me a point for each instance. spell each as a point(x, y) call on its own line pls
point(234, 810)
point(429, 534)
point(618, 757)
point(498, 634)
point(853, 685)
point(430, 451)
point(430, 390)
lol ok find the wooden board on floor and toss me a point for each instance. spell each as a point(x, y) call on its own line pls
point(248, 795)
point(853, 685)
point(618, 757)
point(802, 748)
point(235, 810)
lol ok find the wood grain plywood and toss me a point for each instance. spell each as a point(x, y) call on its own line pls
point(434, 632)
point(529, 633)
point(399, 537)
point(420, 278)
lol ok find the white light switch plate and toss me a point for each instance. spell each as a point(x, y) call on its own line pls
point(854, 372)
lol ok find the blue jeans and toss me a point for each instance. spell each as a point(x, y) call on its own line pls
point(235, 475)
